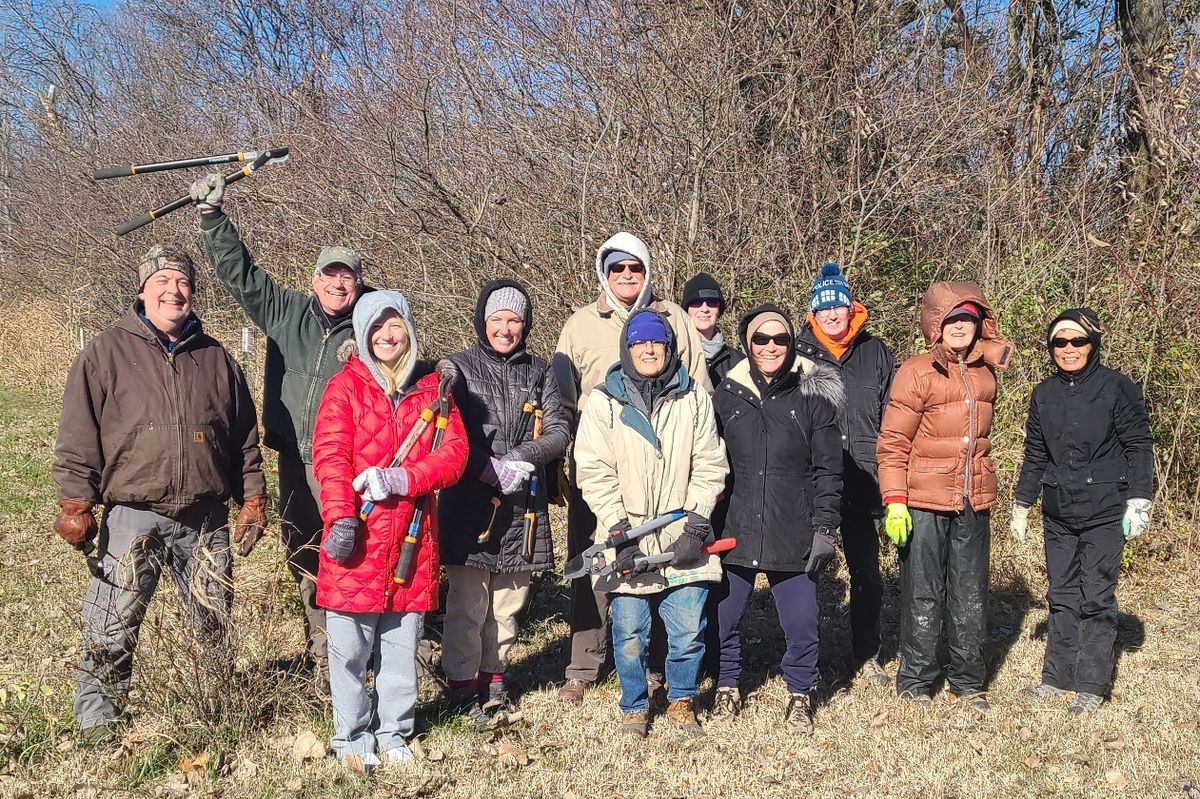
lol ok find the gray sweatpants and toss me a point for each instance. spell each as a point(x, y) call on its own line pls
point(134, 546)
point(386, 643)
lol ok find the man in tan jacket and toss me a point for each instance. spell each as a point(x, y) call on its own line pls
point(590, 341)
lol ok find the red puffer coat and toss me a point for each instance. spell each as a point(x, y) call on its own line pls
point(357, 427)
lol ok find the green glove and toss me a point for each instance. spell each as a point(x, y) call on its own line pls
point(898, 523)
point(1137, 518)
point(1018, 526)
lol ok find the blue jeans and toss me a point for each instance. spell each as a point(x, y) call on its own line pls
point(682, 612)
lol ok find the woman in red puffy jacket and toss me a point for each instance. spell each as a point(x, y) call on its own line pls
point(366, 411)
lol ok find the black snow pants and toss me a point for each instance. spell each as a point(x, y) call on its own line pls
point(1082, 566)
point(943, 580)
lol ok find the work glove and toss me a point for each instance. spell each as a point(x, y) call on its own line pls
point(208, 192)
point(76, 524)
point(823, 547)
point(343, 535)
point(508, 476)
point(1136, 521)
point(687, 548)
point(898, 523)
point(250, 524)
point(617, 529)
point(627, 556)
point(1018, 526)
point(377, 484)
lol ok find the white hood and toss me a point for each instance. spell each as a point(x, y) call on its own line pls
point(625, 242)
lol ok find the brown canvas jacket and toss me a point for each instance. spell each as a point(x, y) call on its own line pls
point(933, 447)
point(142, 426)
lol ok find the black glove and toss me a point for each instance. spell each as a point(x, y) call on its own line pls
point(627, 555)
point(620, 528)
point(687, 548)
point(823, 547)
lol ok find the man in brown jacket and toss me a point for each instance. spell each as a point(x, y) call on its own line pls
point(938, 482)
point(590, 340)
point(159, 427)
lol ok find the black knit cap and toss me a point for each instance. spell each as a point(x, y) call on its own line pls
point(702, 287)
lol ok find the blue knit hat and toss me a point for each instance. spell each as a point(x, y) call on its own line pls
point(645, 326)
point(830, 290)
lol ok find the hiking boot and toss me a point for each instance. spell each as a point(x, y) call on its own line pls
point(727, 704)
point(362, 764)
point(656, 689)
point(1042, 691)
point(637, 723)
point(799, 713)
point(498, 700)
point(872, 673)
point(973, 700)
point(103, 734)
point(683, 717)
point(573, 690)
point(463, 702)
point(1085, 704)
point(918, 698)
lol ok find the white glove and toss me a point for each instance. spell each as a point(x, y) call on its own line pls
point(1137, 518)
point(377, 484)
point(1018, 527)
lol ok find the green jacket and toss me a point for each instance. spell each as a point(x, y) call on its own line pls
point(302, 340)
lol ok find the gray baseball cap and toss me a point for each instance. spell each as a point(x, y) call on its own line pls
point(339, 256)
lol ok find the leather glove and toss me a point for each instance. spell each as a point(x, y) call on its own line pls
point(1018, 526)
point(339, 542)
point(377, 484)
point(1137, 518)
point(208, 192)
point(898, 523)
point(250, 524)
point(823, 548)
point(687, 548)
point(508, 476)
point(76, 524)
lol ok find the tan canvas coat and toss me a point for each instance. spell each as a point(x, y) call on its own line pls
point(933, 447)
point(624, 476)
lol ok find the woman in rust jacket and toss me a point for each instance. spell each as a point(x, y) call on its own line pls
point(938, 482)
point(372, 621)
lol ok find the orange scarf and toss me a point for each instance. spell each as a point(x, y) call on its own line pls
point(838, 348)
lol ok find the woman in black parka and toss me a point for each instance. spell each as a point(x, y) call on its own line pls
point(1088, 453)
point(489, 579)
point(778, 414)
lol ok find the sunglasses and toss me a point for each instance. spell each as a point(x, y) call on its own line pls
point(1079, 342)
point(762, 339)
point(709, 303)
point(617, 269)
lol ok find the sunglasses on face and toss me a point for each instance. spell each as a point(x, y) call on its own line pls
point(1079, 342)
point(617, 269)
point(707, 303)
point(762, 339)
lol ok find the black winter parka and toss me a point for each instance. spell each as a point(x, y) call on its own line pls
point(490, 396)
point(867, 370)
point(720, 364)
point(1088, 446)
point(785, 456)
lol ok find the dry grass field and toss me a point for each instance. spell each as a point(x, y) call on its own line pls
point(262, 732)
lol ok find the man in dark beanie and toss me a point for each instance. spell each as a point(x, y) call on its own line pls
point(836, 333)
point(158, 427)
point(704, 302)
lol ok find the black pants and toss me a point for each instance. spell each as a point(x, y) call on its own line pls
point(860, 543)
point(943, 580)
point(1082, 566)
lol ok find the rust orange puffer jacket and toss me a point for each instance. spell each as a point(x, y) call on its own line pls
point(933, 447)
point(357, 426)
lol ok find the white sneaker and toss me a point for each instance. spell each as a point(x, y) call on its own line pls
point(363, 763)
point(398, 755)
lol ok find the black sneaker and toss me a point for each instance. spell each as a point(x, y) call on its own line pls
point(799, 713)
point(727, 704)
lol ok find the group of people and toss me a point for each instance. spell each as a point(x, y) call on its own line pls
point(764, 456)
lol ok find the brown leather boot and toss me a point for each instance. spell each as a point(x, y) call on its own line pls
point(683, 717)
point(573, 690)
point(636, 723)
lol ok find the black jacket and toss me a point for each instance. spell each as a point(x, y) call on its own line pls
point(1088, 446)
point(867, 369)
point(785, 457)
point(721, 363)
point(490, 397)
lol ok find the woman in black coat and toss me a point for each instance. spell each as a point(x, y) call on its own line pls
point(482, 520)
point(1088, 453)
point(778, 414)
